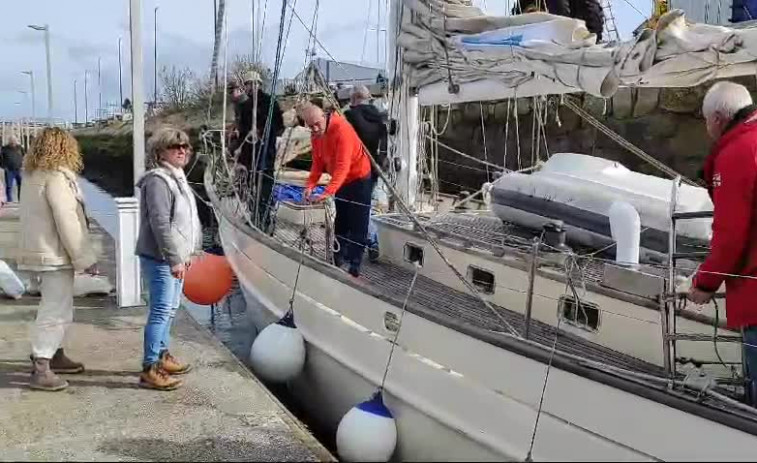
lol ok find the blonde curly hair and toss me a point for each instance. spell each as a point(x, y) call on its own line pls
point(52, 149)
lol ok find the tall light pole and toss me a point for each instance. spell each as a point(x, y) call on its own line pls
point(99, 90)
point(76, 105)
point(34, 99)
point(137, 90)
point(155, 59)
point(46, 30)
point(120, 79)
point(86, 100)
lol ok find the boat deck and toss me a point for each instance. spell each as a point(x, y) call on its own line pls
point(393, 282)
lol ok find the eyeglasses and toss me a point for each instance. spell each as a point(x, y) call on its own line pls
point(179, 146)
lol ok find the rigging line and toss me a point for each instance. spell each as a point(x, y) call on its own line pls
point(312, 35)
point(483, 134)
point(623, 142)
point(399, 325)
point(467, 156)
point(637, 10)
point(365, 34)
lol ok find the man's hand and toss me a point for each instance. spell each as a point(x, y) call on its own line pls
point(306, 195)
point(318, 199)
point(178, 271)
point(92, 270)
point(697, 296)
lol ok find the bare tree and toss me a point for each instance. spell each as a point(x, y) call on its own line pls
point(242, 64)
point(177, 86)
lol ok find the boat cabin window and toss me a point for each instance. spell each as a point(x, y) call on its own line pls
point(582, 314)
point(482, 279)
point(414, 253)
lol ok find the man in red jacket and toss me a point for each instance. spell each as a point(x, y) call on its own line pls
point(730, 173)
point(338, 151)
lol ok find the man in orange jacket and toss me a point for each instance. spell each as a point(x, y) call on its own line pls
point(730, 172)
point(338, 151)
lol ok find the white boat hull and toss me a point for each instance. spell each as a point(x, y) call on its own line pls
point(456, 397)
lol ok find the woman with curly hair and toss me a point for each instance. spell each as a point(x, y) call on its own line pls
point(54, 243)
point(169, 234)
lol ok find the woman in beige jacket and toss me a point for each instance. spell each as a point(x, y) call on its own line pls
point(55, 243)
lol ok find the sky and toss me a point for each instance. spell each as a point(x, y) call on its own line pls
point(81, 31)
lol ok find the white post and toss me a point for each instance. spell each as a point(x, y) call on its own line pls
point(49, 75)
point(128, 283)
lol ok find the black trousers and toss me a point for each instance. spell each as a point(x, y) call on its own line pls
point(353, 214)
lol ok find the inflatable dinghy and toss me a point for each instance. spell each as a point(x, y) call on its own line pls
point(579, 190)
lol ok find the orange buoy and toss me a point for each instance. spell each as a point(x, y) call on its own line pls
point(208, 279)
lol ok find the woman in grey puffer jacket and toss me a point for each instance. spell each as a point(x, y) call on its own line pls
point(169, 234)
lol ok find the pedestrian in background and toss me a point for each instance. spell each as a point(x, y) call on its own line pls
point(55, 243)
point(169, 234)
point(11, 160)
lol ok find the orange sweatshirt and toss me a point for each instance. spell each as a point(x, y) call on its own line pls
point(338, 152)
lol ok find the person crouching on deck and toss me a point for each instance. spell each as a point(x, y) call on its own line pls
point(730, 173)
point(169, 234)
point(338, 151)
point(54, 243)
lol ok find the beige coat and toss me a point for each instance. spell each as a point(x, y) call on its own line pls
point(54, 228)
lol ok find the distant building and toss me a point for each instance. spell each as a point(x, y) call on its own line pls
point(336, 75)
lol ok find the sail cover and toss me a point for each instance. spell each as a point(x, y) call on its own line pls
point(495, 57)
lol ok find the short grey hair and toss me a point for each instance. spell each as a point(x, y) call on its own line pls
point(12, 140)
point(360, 93)
point(725, 99)
point(160, 140)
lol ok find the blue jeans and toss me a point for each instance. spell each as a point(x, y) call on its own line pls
point(12, 176)
point(750, 362)
point(165, 296)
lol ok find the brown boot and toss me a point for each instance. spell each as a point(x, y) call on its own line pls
point(62, 364)
point(44, 379)
point(172, 365)
point(154, 377)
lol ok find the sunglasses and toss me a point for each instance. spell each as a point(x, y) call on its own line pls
point(179, 146)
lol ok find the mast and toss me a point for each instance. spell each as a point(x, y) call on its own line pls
point(403, 108)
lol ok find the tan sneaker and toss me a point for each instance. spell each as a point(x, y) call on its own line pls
point(43, 379)
point(172, 365)
point(154, 377)
point(62, 364)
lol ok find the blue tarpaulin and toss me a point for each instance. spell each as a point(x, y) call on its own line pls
point(293, 193)
point(743, 10)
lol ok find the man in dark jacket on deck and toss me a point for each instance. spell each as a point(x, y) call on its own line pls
point(370, 125)
point(12, 161)
point(730, 173)
point(256, 104)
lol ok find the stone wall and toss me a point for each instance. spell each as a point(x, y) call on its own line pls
point(665, 123)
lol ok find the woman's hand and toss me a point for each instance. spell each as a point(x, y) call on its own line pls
point(93, 270)
point(178, 271)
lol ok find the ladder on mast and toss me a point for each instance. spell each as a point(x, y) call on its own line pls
point(611, 27)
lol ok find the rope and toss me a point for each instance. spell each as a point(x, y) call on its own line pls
point(399, 326)
point(623, 142)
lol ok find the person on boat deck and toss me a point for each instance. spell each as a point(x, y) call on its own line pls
point(169, 234)
point(730, 174)
point(251, 103)
point(370, 125)
point(338, 151)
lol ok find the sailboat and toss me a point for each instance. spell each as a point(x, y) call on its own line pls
point(526, 332)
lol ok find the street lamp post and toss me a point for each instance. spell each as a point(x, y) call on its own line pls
point(76, 105)
point(86, 100)
point(46, 30)
point(99, 90)
point(34, 99)
point(155, 59)
point(120, 79)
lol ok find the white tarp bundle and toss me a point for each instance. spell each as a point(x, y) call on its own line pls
point(538, 53)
